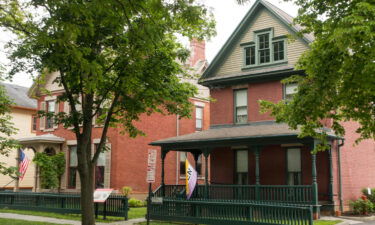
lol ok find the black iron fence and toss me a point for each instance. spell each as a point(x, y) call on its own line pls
point(116, 205)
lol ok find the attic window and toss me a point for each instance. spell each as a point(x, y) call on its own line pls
point(265, 50)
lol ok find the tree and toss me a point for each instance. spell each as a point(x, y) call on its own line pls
point(340, 71)
point(116, 58)
point(7, 143)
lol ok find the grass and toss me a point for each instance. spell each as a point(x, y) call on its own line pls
point(133, 213)
point(23, 222)
point(317, 222)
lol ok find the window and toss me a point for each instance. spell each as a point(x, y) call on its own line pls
point(183, 156)
point(264, 48)
point(198, 168)
point(240, 100)
point(249, 55)
point(289, 90)
point(294, 166)
point(50, 109)
point(34, 120)
point(198, 118)
point(242, 167)
point(73, 162)
point(199, 165)
point(100, 169)
point(278, 50)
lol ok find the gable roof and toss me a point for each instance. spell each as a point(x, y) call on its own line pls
point(284, 17)
point(18, 94)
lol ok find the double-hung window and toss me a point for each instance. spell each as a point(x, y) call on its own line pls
point(73, 162)
point(265, 49)
point(242, 167)
point(50, 110)
point(290, 90)
point(294, 166)
point(198, 118)
point(240, 100)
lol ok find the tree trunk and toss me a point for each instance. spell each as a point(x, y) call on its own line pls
point(87, 193)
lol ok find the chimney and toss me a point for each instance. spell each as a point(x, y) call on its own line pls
point(197, 51)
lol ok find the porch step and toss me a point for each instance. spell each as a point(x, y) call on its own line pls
point(327, 208)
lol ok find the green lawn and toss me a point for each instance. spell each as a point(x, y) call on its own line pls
point(318, 222)
point(23, 222)
point(133, 213)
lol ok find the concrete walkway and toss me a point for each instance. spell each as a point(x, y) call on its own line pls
point(344, 221)
point(62, 221)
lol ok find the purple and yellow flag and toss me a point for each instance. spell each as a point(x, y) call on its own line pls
point(191, 179)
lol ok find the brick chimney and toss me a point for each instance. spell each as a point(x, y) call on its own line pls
point(197, 51)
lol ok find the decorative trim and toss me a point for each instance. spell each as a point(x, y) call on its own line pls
point(280, 37)
point(247, 43)
point(264, 30)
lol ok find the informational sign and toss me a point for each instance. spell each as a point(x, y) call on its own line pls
point(157, 200)
point(151, 165)
point(101, 195)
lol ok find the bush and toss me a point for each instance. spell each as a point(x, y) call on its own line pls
point(362, 207)
point(136, 203)
point(126, 191)
point(369, 197)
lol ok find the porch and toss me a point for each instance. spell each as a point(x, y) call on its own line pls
point(252, 164)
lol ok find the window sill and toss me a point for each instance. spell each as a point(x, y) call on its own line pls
point(48, 130)
point(264, 65)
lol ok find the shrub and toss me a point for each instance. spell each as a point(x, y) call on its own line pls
point(136, 203)
point(369, 197)
point(126, 191)
point(362, 207)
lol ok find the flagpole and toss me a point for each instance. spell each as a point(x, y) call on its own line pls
point(17, 184)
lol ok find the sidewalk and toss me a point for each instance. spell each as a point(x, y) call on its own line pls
point(344, 221)
point(62, 221)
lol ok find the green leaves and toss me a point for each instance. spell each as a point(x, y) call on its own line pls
point(340, 81)
point(51, 168)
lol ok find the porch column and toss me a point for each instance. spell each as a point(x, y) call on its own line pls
point(257, 172)
point(314, 184)
point(206, 153)
point(330, 185)
point(17, 179)
point(163, 155)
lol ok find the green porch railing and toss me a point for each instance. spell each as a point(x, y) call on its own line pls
point(221, 212)
point(296, 194)
point(116, 205)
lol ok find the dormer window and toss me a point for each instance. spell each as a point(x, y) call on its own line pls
point(264, 50)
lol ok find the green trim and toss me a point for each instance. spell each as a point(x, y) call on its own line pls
point(249, 78)
point(247, 43)
point(265, 30)
point(217, 61)
point(279, 62)
point(280, 37)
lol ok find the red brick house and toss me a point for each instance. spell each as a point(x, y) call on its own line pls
point(125, 163)
point(251, 156)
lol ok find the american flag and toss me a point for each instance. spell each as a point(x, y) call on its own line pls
point(24, 163)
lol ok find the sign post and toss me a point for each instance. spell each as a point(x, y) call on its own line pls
point(151, 166)
point(101, 195)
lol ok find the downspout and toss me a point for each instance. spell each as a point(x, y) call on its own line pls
point(177, 153)
point(339, 170)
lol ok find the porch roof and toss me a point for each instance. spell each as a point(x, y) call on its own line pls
point(253, 133)
point(45, 138)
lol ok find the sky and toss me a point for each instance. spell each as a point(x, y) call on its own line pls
point(228, 14)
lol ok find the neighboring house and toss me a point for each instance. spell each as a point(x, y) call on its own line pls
point(23, 113)
point(125, 164)
point(251, 156)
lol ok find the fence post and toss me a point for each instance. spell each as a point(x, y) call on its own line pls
point(257, 173)
point(126, 205)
